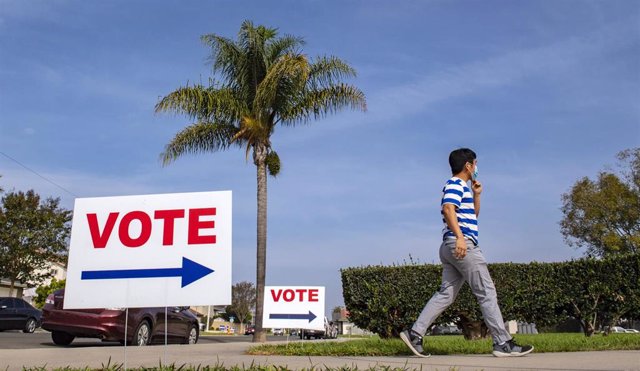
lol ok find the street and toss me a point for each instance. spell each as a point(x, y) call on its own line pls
point(42, 339)
point(222, 350)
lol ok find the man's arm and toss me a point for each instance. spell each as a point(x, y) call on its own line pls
point(476, 187)
point(449, 211)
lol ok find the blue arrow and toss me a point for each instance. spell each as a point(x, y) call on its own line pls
point(190, 272)
point(309, 316)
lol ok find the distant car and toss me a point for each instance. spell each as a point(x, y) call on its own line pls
point(631, 331)
point(17, 314)
point(330, 332)
point(250, 330)
point(278, 332)
point(446, 330)
point(617, 330)
point(144, 325)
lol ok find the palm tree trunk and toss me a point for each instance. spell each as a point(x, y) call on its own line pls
point(260, 153)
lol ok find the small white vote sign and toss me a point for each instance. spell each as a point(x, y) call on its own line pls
point(150, 251)
point(293, 307)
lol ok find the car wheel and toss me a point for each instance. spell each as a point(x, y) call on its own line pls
point(142, 335)
point(30, 326)
point(61, 338)
point(192, 336)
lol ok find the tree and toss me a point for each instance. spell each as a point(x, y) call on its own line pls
point(229, 313)
point(603, 215)
point(43, 292)
point(243, 297)
point(264, 81)
point(32, 234)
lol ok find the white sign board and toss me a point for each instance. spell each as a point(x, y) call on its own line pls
point(150, 251)
point(293, 307)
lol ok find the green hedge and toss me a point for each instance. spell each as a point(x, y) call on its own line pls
point(388, 299)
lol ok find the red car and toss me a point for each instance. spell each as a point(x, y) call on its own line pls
point(144, 325)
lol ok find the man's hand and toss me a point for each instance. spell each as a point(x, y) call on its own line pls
point(476, 187)
point(461, 248)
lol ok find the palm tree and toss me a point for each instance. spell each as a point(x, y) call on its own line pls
point(264, 81)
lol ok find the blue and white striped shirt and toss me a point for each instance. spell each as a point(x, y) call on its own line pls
point(457, 193)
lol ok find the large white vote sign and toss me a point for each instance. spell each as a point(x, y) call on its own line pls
point(150, 251)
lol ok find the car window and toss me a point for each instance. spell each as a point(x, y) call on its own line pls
point(12, 303)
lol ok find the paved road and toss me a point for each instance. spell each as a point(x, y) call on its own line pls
point(42, 339)
point(229, 352)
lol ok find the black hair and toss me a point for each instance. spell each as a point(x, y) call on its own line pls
point(459, 157)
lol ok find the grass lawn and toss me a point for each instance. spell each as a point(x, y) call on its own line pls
point(453, 344)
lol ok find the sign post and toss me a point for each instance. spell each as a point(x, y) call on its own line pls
point(150, 251)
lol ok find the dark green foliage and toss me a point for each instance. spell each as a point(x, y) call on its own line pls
point(273, 163)
point(599, 292)
point(386, 300)
point(33, 233)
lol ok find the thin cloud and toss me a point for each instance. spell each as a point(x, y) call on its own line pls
point(499, 71)
point(29, 10)
point(478, 77)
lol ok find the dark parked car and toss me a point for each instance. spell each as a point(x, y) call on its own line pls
point(250, 330)
point(144, 325)
point(17, 314)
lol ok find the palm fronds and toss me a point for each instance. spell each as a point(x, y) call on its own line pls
point(263, 80)
point(200, 137)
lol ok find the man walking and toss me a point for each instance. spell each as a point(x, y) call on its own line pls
point(462, 261)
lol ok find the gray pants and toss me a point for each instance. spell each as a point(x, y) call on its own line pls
point(455, 272)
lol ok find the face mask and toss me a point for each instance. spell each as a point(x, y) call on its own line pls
point(474, 175)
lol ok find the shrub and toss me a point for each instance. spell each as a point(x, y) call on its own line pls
point(388, 299)
point(43, 291)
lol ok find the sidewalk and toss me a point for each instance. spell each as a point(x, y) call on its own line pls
point(231, 354)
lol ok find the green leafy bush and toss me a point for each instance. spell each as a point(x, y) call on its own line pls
point(43, 291)
point(388, 299)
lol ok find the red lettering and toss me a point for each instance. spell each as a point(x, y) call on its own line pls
point(313, 295)
point(288, 295)
point(145, 233)
point(276, 297)
point(195, 235)
point(195, 225)
point(100, 239)
point(169, 217)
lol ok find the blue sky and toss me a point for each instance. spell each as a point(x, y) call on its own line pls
point(545, 92)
